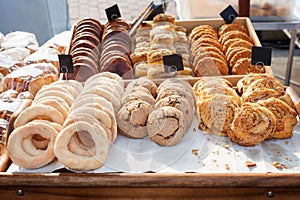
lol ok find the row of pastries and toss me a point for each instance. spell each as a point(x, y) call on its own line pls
point(99, 102)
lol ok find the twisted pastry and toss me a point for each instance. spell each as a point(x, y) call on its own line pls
point(286, 117)
point(252, 124)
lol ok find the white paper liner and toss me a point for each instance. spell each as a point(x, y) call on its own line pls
point(197, 152)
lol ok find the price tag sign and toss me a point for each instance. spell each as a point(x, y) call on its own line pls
point(172, 63)
point(261, 56)
point(65, 64)
point(157, 10)
point(229, 14)
point(112, 12)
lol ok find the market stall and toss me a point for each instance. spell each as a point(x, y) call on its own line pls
point(128, 123)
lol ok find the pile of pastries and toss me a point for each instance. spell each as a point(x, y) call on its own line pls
point(24, 69)
point(97, 48)
point(262, 111)
point(162, 113)
point(271, 9)
point(85, 49)
point(67, 121)
point(207, 56)
point(222, 52)
point(157, 39)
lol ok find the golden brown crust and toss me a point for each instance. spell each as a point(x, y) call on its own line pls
point(234, 35)
point(245, 53)
point(230, 27)
point(243, 66)
point(210, 67)
point(286, 117)
point(252, 124)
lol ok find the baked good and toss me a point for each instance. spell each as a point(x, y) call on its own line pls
point(252, 124)
point(216, 102)
point(285, 115)
point(22, 150)
point(243, 66)
point(230, 27)
point(244, 83)
point(234, 35)
point(210, 67)
point(95, 153)
point(30, 77)
point(143, 82)
point(116, 58)
point(132, 118)
point(181, 104)
point(20, 39)
point(84, 49)
point(166, 126)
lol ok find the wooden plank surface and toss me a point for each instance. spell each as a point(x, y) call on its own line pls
point(177, 180)
point(148, 193)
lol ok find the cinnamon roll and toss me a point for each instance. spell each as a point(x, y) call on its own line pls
point(252, 124)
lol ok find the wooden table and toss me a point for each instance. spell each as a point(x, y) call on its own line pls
point(149, 186)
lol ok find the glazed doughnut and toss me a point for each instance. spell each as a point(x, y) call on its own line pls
point(252, 124)
point(78, 162)
point(114, 85)
point(37, 111)
point(38, 141)
point(31, 157)
point(75, 84)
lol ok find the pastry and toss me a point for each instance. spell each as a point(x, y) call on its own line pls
point(243, 66)
point(95, 159)
point(244, 83)
point(36, 75)
point(143, 82)
point(245, 53)
point(252, 124)
point(38, 111)
point(286, 117)
point(132, 118)
point(181, 104)
point(166, 126)
point(230, 27)
point(21, 149)
point(210, 67)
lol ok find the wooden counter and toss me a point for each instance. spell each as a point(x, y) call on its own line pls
point(149, 186)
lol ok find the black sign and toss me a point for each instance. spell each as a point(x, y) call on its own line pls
point(229, 14)
point(112, 12)
point(65, 64)
point(261, 56)
point(172, 63)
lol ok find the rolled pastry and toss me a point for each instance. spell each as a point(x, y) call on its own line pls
point(252, 124)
